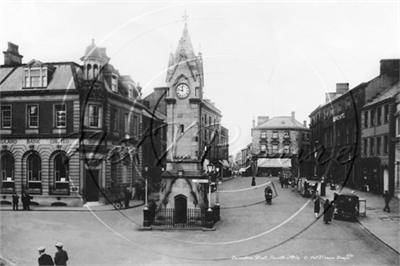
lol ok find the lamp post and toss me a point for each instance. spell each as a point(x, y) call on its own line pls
point(216, 207)
point(146, 213)
point(209, 213)
point(145, 180)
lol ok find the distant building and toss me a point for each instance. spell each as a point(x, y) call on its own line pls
point(276, 143)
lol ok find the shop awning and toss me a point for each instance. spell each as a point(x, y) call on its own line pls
point(274, 162)
point(244, 169)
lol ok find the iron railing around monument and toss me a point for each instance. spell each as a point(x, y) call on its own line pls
point(171, 218)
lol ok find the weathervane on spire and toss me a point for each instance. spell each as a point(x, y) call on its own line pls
point(185, 17)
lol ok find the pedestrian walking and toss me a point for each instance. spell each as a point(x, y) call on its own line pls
point(253, 182)
point(286, 182)
point(138, 191)
point(328, 212)
point(61, 256)
point(26, 201)
point(388, 198)
point(293, 184)
point(15, 199)
point(44, 259)
point(127, 196)
point(281, 179)
point(316, 206)
point(133, 191)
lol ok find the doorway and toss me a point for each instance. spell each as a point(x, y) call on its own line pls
point(180, 216)
point(92, 185)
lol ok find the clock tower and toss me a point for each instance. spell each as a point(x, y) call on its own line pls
point(180, 187)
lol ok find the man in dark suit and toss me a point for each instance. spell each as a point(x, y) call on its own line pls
point(61, 256)
point(44, 259)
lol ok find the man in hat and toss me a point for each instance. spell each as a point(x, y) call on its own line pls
point(61, 256)
point(44, 259)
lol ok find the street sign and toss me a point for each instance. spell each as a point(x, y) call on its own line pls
point(200, 180)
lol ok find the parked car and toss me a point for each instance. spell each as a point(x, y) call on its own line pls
point(346, 207)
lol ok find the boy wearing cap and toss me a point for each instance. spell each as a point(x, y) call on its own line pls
point(61, 256)
point(44, 259)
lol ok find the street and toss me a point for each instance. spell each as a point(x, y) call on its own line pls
point(250, 232)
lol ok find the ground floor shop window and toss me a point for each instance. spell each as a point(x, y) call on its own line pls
point(61, 175)
point(34, 174)
point(7, 173)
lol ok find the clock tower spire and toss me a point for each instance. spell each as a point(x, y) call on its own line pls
point(184, 99)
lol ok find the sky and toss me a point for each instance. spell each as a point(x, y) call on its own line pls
point(261, 58)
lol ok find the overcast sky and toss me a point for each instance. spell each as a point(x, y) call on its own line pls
point(260, 58)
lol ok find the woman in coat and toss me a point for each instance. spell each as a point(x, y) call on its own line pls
point(316, 206)
point(328, 211)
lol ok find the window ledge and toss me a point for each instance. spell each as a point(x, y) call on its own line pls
point(60, 131)
point(32, 131)
point(5, 132)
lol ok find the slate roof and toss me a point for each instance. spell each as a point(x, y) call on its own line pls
point(281, 122)
point(390, 92)
point(65, 76)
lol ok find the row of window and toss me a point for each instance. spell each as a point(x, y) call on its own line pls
point(127, 119)
point(376, 116)
point(343, 136)
point(334, 110)
point(32, 116)
point(263, 148)
point(376, 146)
point(95, 117)
point(286, 134)
point(34, 168)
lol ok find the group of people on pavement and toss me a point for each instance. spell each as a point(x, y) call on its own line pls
point(60, 258)
point(26, 201)
point(329, 207)
point(133, 192)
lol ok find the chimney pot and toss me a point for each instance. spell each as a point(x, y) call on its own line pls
point(342, 88)
point(12, 56)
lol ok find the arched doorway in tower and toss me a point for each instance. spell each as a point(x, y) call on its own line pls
point(180, 216)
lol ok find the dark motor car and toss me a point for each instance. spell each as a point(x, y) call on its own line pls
point(346, 207)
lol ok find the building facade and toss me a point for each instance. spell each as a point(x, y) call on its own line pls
point(276, 143)
point(336, 127)
point(69, 132)
point(378, 123)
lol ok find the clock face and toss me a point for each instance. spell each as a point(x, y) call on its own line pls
point(182, 91)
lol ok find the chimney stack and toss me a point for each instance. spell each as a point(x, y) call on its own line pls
point(390, 67)
point(329, 96)
point(293, 116)
point(342, 88)
point(12, 56)
point(305, 123)
point(254, 122)
point(262, 120)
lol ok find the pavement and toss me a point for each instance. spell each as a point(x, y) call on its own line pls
point(91, 206)
point(383, 225)
point(88, 207)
